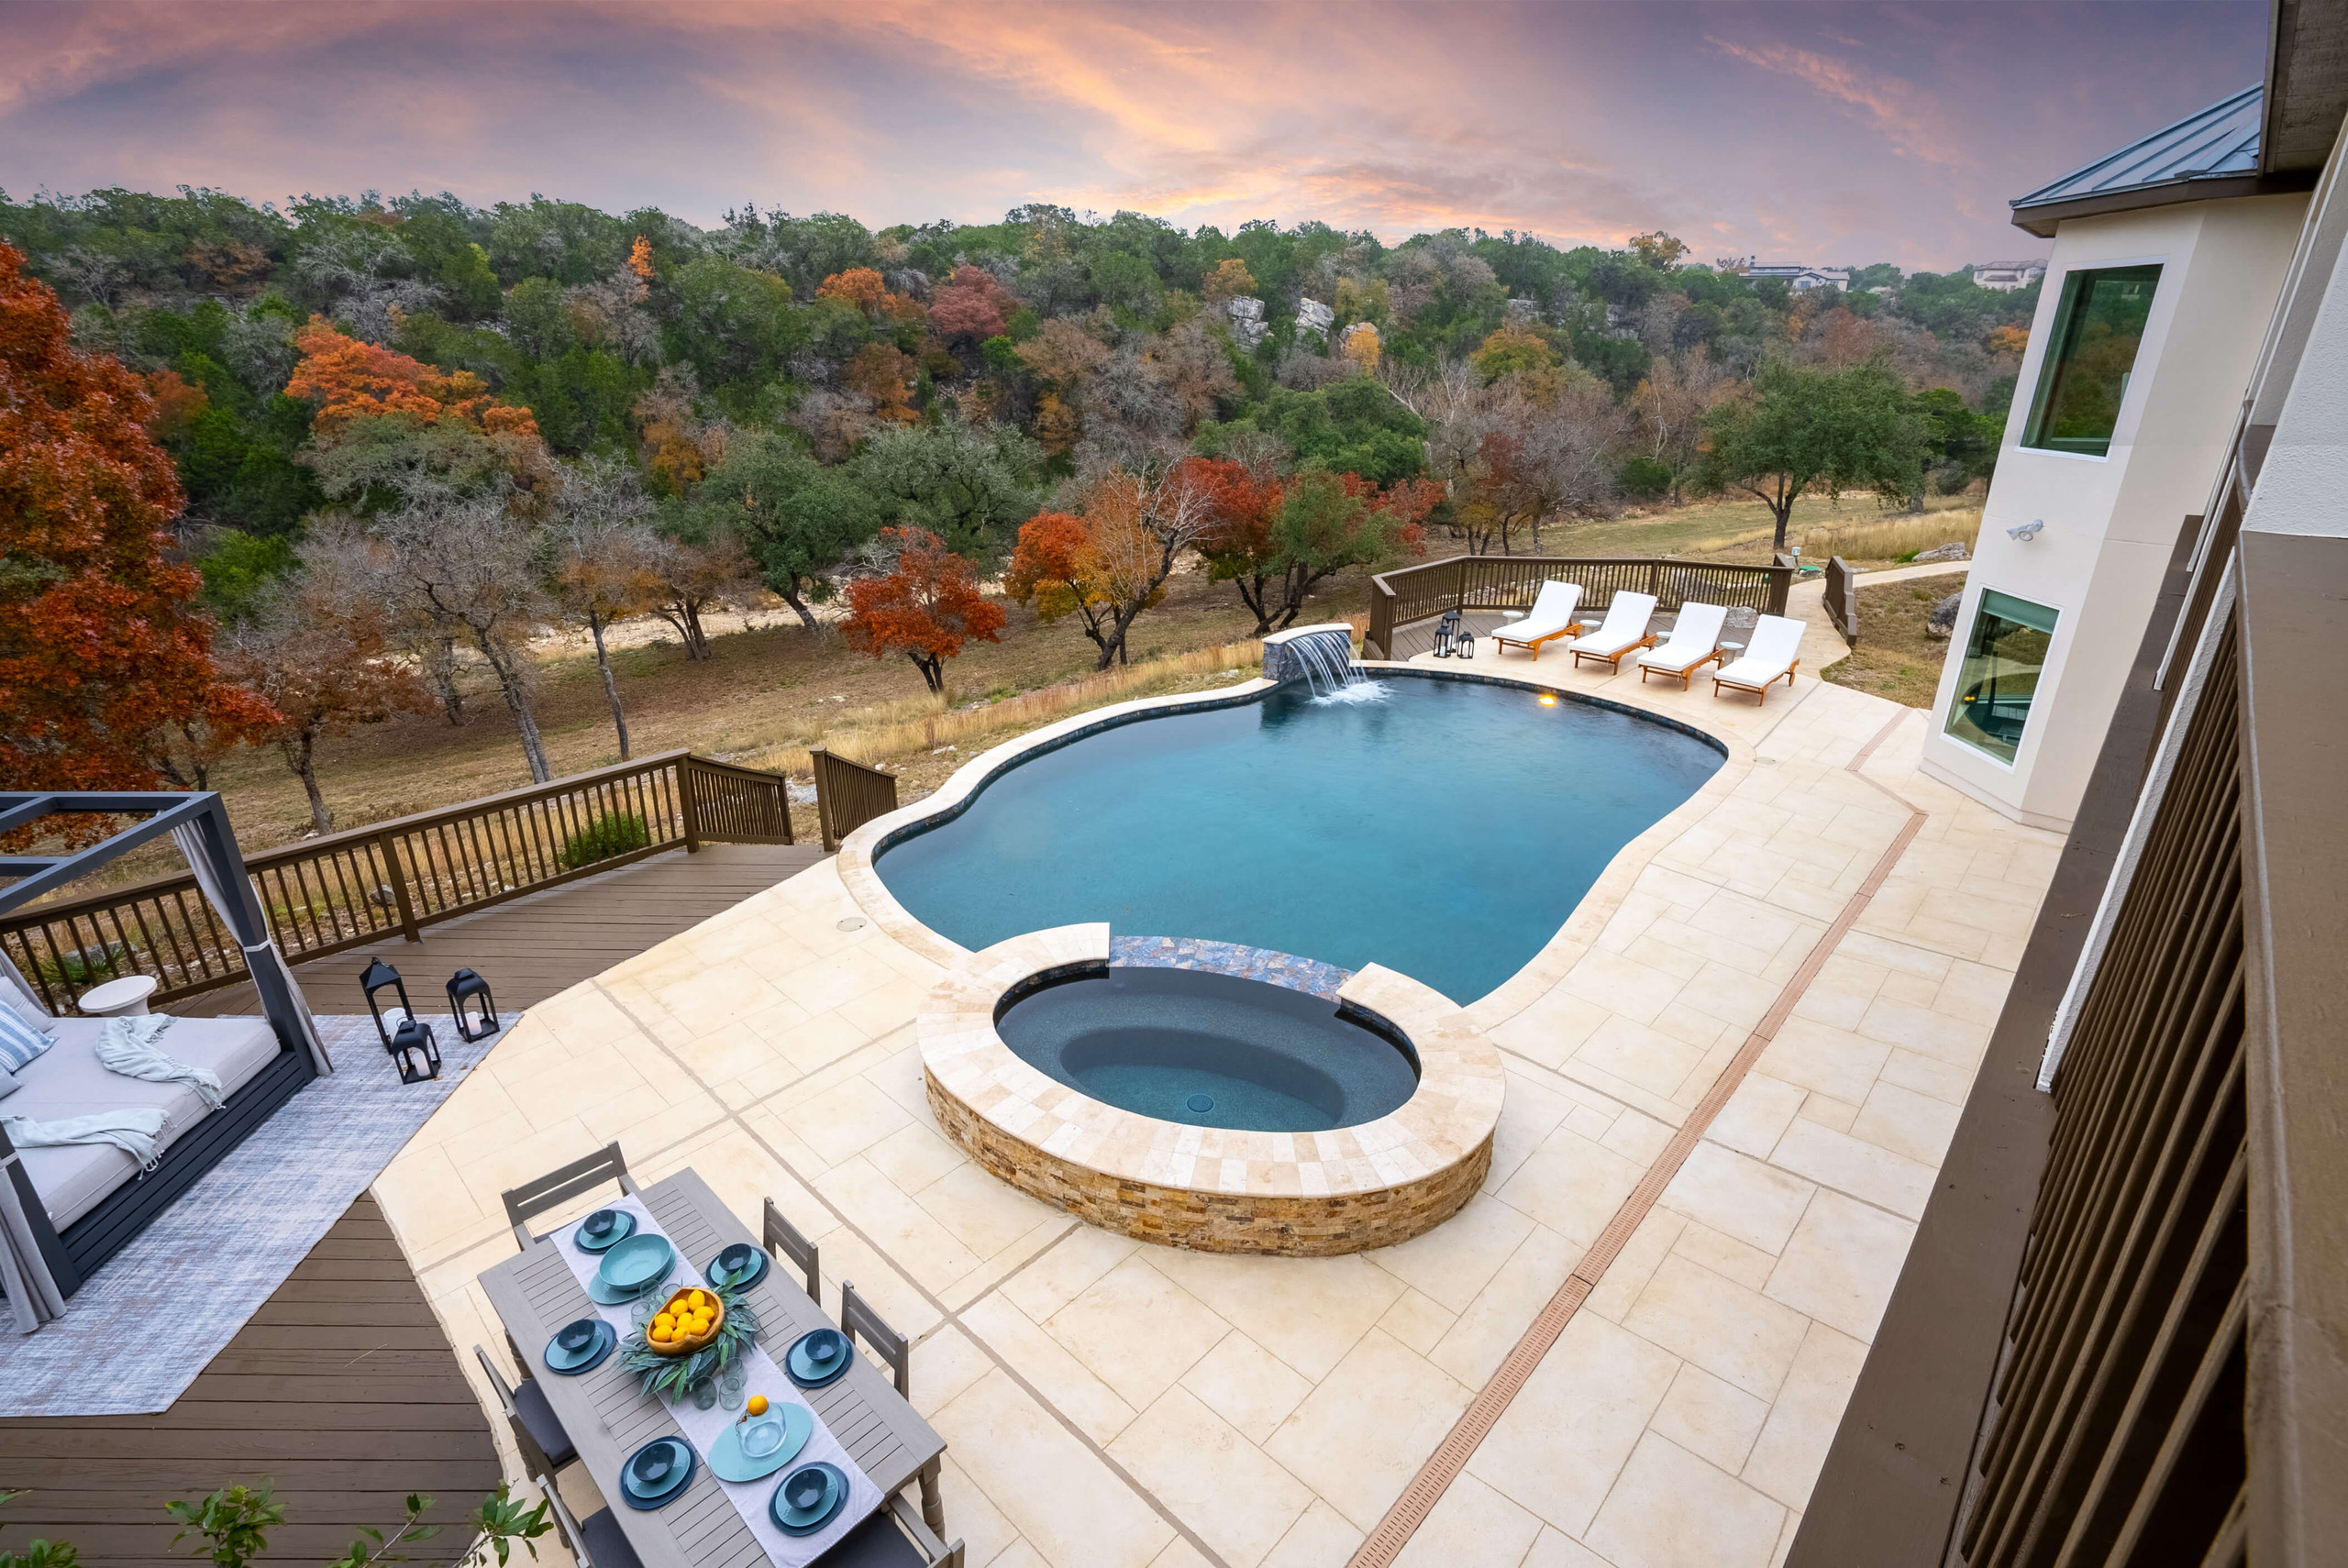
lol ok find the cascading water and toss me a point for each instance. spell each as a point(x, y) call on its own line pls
point(1322, 656)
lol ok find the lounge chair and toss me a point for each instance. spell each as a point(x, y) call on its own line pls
point(1772, 656)
point(1695, 642)
point(1624, 630)
point(1551, 617)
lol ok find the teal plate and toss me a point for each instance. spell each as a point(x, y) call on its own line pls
point(635, 1264)
point(610, 1239)
point(788, 1425)
point(807, 1521)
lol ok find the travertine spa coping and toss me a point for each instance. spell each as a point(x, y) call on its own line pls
point(1297, 1194)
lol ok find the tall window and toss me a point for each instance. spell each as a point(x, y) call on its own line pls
point(2097, 329)
point(1999, 677)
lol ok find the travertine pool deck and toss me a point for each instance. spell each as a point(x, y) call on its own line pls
point(1111, 1402)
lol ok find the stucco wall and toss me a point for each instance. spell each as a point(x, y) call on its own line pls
point(2111, 522)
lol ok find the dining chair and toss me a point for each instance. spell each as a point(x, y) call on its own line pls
point(893, 1538)
point(893, 1347)
point(558, 1187)
point(537, 1430)
point(783, 1237)
point(597, 1541)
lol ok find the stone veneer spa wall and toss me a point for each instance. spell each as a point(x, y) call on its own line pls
point(1293, 1194)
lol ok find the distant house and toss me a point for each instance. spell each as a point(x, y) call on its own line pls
point(1801, 280)
point(2007, 276)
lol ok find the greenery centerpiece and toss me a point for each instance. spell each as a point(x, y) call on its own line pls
point(673, 1375)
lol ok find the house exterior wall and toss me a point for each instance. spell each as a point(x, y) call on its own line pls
point(2111, 522)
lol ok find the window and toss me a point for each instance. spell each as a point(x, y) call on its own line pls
point(1999, 675)
point(2098, 328)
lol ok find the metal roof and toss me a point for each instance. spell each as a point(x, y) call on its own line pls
point(2221, 143)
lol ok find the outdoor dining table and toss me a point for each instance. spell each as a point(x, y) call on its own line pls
point(609, 1416)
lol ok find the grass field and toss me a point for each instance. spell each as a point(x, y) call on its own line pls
point(1894, 658)
point(772, 689)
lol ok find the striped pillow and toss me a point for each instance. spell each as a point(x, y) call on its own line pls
point(19, 1042)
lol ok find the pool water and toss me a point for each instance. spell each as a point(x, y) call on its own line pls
point(1209, 1050)
point(1447, 830)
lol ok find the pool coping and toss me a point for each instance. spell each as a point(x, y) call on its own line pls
point(1296, 1194)
point(1533, 980)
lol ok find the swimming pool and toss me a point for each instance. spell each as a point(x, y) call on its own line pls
point(1445, 830)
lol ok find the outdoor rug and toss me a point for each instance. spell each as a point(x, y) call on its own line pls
point(159, 1310)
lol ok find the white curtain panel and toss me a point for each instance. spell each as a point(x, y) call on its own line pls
point(33, 1295)
point(191, 845)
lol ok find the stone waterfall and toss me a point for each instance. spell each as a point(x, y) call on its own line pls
point(1322, 656)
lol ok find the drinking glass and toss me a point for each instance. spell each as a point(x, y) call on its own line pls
point(731, 1383)
point(705, 1394)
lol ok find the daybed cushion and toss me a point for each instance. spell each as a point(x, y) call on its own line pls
point(68, 1081)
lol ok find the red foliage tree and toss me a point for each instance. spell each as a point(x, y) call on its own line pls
point(972, 307)
point(926, 609)
point(350, 380)
point(1245, 499)
point(102, 657)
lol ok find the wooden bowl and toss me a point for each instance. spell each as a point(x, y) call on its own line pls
point(691, 1344)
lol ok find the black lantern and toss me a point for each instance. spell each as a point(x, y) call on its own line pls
point(463, 985)
point(1465, 647)
point(1446, 633)
point(407, 1037)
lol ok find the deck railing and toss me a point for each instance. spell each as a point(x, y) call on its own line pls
point(398, 877)
point(1843, 598)
point(849, 795)
point(1398, 599)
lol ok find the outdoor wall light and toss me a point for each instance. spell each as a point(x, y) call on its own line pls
point(2028, 531)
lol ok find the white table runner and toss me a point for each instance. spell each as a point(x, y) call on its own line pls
point(702, 1427)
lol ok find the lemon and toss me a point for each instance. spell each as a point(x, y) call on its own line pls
point(658, 1333)
point(758, 1405)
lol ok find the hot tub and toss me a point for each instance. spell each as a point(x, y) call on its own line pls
point(1209, 1049)
point(1205, 1095)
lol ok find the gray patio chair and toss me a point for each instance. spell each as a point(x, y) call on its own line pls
point(784, 1240)
point(893, 1538)
point(597, 1541)
point(558, 1187)
point(537, 1430)
point(893, 1347)
point(857, 1318)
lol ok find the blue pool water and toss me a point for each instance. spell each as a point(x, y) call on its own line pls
point(1446, 831)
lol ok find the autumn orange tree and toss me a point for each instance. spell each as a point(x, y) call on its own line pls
point(103, 657)
point(925, 609)
point(1108, 561)
point(351, 379)
point(864, 290)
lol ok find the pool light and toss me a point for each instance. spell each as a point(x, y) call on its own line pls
point(1548, 698)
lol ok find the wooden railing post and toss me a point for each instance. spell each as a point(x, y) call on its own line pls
point(388, 847)
point(688, 806)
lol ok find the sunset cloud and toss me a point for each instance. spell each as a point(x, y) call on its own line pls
point(1833, 133)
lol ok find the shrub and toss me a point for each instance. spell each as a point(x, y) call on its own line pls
point(86, 966)
point(1645, 478)
point(614, 833)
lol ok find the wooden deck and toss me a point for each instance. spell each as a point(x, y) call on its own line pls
point(342, 1390)
point(535, 946)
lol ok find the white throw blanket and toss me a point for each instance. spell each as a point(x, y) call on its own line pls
point(129, 1047)
point(133, 1129)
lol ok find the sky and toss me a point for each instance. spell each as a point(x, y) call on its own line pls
point(1825, 134)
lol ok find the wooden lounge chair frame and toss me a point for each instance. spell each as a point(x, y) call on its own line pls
point(1613, 661)
point(1685, 675)
point(1501, 639)
point(1760, 691)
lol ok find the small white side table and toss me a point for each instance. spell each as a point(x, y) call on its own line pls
point(125, 998)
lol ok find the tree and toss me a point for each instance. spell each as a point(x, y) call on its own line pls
point(799, 520)
point(970, 308)
point(350, 379)
point(969, 487)
point(604, 558)
point(103, 657)
point(1804, 431)
point(701, 566)
point(925, 608)
point(1228, 280)
point(472, 569)
point(1328, 521)
point(1110, 561)
point(1669, 404)
point(316, 650)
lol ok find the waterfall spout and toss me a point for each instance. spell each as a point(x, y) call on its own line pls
point(1322, 656)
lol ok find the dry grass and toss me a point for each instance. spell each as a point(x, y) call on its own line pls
point(1894, 658)
point(1893, 538)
